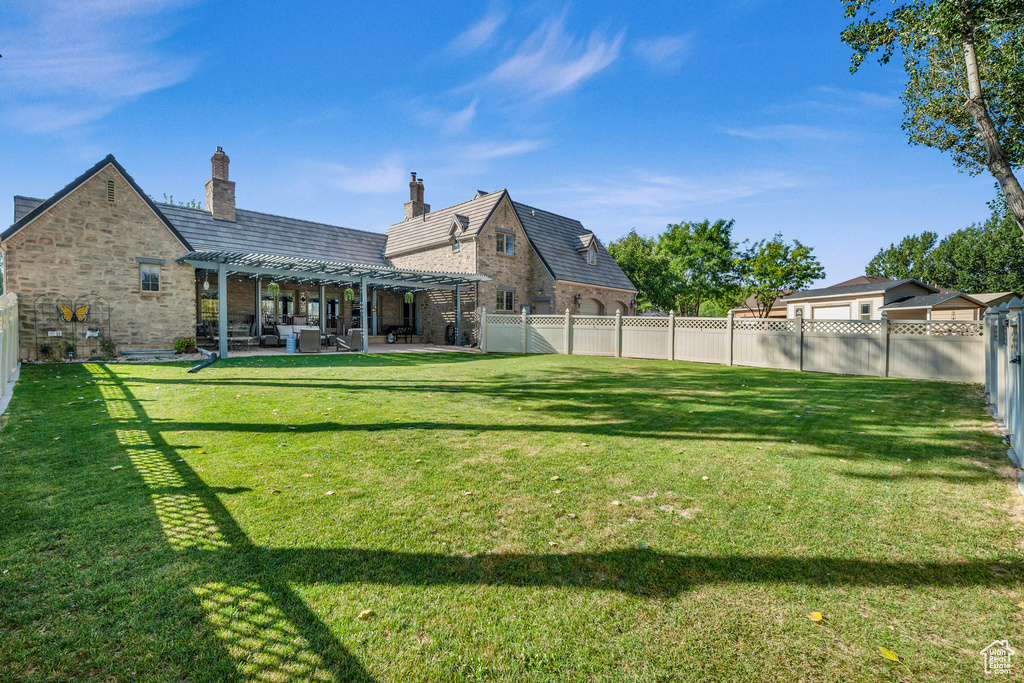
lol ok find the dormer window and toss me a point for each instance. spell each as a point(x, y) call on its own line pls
point(458, 226)
point(455, 244)
point(592, 256)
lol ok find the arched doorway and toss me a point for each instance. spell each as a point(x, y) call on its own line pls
point(617, 307)
point(591, 307)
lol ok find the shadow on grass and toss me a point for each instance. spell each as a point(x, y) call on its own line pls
point(258, 622)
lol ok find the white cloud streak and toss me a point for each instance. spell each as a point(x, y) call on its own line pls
point(551, 61)
point(478, 35)
point(68, 63)
point(782, 131)
point(383, 177)
point(666, 51)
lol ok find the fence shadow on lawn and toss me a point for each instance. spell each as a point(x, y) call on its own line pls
point(257, 620)
point(840, 416)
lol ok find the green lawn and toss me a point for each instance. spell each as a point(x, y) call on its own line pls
point(505, 518)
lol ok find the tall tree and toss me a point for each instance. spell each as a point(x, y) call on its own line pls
point(770, 266)
point(648, 269)
point(965, 93)
point(910, 258)
point(701, 257)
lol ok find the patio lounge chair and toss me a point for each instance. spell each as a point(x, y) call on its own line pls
point(309, 340)
point(353, 341)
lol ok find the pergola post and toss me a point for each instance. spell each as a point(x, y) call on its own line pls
point(416, 311)
point(365, 341)
point(458, 316)
point(323, 309)
point(259, 307)
point(373, 310)
point(222, 309)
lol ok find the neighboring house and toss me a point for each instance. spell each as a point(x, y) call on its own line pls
point(749, 308)
point(866, 297)
point(142, 273)
point(994, 299)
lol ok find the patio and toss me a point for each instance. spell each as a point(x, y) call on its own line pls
point(371, 348)
point(253, 294)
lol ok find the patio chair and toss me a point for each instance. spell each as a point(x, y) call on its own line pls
point(272, 336)
point(353, 341)
point(309, 340)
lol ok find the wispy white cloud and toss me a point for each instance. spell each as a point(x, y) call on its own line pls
point(382, 177)
point(783, 131)
point(67, 63)
point(489, 150)
point(479, 34)
point(666, 51)
point(647, 191)
point(457, 122)
point(551, 61)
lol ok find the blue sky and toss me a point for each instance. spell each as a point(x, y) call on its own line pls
point(623, 115)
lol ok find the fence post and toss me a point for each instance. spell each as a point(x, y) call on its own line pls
point(1002, 363)
point(883, 337)
point(483, 330)
point(526, 333)
point(799, 323)
point(5, 328)
point(15, 340)
point(728, 338)
point(618, 334)
point(990, 355)
point(568, 333)
point(672, 334)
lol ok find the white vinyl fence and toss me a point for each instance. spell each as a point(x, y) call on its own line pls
point(1003, 376)
point(8, 339)
point(952, 351)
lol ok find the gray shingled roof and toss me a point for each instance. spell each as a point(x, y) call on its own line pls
point(23, 205)
point(854, 289)
point(431, 230)
point(929, 300)
point(264, 233)
point(558, 239)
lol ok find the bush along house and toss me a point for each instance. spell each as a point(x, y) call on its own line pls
point(99, 266)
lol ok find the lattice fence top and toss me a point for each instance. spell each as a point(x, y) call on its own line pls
point(494, 319)
point(938, 328)
point(596, 321)
point(545, 319)
point(760, 325)
point(701, 323)
point(843, 326)
point(645, 322)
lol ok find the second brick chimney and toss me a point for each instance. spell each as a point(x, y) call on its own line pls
point(415, 206)
point(220, 192)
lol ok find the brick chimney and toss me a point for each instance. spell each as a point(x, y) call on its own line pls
point(220, 192)
point(415, 206)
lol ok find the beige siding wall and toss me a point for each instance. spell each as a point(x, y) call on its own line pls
point(854, 302)
point(907, 314)
point(86, 246)
point(954, 311)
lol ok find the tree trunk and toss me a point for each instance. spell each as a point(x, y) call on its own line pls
point(997, 163)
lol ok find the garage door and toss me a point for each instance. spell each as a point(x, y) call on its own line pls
point(617, 308)
point(590, 307)
point(831, 312)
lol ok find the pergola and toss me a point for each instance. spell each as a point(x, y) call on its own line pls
point(322, 272)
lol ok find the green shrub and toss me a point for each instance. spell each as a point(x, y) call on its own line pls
point(184, 345)
point(108, 347)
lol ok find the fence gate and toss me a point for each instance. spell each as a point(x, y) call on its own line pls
point(68, 327)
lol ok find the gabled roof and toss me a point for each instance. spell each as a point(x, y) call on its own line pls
point(75, 184)
point(862, 280)
point(558, 239)
point(431, 229)
point(989, 297)
point(263, 233)
point(931, 300)
point(866, 288)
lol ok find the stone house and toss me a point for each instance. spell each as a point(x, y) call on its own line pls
point(100, 264)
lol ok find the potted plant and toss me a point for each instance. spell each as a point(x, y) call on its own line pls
point(350, 294)
point(409, 297)
point(273, 289)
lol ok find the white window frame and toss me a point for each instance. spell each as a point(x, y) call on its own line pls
point(508, 304)
point(151, 268)
point(861, 315)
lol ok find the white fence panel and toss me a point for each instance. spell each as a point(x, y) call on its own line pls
point(953, 352)
point(646, 337)
point(848, 347)
point(593, 335)
point(702, 340)
point(766, 344)
point(504, 334)
point(547, 334)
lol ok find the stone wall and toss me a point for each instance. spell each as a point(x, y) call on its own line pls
point(565, 293)
point(84, 248)
point(506, 272)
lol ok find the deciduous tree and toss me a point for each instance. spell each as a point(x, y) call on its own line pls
point(701, 257)
point(910, 258)
point(648, 269)
point(965, 92)
point(770, 266)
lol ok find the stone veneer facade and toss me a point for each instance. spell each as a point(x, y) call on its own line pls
point(85, 247)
